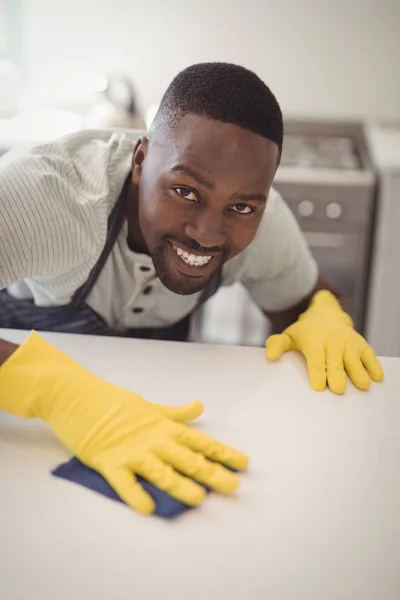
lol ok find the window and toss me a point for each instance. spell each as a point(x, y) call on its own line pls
point(10, 30)
point(10, 56)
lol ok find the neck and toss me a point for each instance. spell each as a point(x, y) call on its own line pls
point(136, 241)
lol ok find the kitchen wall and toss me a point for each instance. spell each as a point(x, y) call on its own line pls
point(321, 57)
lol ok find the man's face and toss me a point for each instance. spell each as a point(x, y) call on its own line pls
point(202, 193)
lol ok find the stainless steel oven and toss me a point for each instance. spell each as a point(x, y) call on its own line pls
point(327, 179)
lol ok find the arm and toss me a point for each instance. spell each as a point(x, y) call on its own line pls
point(307, 312)
point(113, 430)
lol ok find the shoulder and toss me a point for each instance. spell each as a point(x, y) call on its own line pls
point(277, 216)
point(89, 161)
point(278, 268)
point(277, 231)
point(79, 175)
point(279, 234)
point(55, 198)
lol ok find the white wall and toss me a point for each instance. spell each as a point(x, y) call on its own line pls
point(320, 57)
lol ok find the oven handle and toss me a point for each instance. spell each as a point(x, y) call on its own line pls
point(320, 239)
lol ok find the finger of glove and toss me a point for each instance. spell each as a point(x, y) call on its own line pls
point(216, 451)
point(355, 369)
point(180, 414)
point(316, 365)
point(125, 484)
point(195, 465)
point(335, 373)
point(372, 364)
point(163, 476)
point(278, 344)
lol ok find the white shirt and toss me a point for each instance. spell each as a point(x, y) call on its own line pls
point(55, 199)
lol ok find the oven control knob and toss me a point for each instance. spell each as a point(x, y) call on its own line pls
point(333, 210)
point(305, 208)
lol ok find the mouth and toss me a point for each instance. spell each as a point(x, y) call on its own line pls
point(191, 264)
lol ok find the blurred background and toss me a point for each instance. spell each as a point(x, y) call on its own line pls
point(333, 66)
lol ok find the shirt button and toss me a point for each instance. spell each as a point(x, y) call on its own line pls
point(145, 269)
point(147, 290)
point(137, 310)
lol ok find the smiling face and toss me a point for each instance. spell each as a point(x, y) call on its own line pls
point(202, 192)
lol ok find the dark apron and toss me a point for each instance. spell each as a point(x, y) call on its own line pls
point(77, 316)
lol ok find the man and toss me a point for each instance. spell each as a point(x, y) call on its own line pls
point(106, 232)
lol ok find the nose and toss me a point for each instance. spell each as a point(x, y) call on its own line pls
point(206, 229)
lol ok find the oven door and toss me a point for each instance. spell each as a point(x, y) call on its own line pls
point(336, 222)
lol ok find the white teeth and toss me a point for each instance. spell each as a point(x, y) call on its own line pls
point(192, 259)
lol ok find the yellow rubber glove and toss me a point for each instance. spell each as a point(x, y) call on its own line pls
point(324, 334)
point(115, 431)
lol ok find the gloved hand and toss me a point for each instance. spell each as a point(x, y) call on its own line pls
point(115, 431)
point(324, 333)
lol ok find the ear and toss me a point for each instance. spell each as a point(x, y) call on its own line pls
point(139, 154)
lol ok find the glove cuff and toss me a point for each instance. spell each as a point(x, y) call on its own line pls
point(15, 378)
point(324, 299)
point(36, 370)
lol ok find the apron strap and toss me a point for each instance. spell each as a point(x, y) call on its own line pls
point(115, 222)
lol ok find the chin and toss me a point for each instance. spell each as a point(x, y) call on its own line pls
point(179, 283)
point(184, 286)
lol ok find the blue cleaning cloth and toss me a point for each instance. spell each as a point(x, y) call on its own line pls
point(75, 471)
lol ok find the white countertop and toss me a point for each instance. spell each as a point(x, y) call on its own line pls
point(317, 516)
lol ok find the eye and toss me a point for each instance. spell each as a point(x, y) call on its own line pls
point(186, 193)
point(242, 209)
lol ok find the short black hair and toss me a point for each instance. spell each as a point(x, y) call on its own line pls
point(224, 92)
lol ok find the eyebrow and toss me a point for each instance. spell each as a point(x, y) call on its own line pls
point(251, 197)
point(192, 173)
